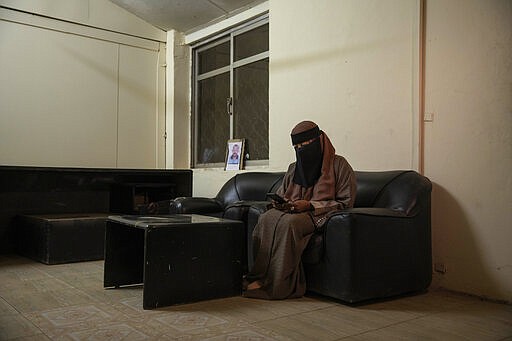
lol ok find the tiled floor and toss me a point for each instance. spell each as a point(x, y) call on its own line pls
point(68, 302)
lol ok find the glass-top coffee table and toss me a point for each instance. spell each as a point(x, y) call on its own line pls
point(178, 258)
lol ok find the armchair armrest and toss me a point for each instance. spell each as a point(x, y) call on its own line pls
point(372, 211)
point(199, 205)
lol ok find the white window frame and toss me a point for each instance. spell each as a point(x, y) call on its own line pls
point(227, 35)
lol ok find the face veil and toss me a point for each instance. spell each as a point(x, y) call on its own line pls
point(309, 156)
point(313, 175)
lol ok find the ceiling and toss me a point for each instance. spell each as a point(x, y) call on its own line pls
point(184, 15)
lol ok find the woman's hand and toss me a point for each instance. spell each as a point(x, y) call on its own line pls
point(285, 206)
point(152, 208)
point(299, 206)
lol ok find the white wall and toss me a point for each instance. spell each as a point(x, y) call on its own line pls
point(351, 67)
point(42, 120)
point(327, 59)
point(468, 152)
point(140, 142)
point(74, 95)
point(178, 101)
point(101, 14)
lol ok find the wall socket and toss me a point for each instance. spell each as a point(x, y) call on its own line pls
point(440, 267)
point(428, 117)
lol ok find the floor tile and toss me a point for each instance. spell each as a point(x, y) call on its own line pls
point(253, 310)
point(62, 323)
point(37, 337)
point(68, 302)
point(243, 335)
point(108, 331)
point(31, 301)
point(418, 305)
point(299, 329)
point(112, 296)
point(6, 308)
point(16, 326)
point(470, 320)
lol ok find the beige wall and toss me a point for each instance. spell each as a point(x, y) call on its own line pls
point(468, 152)
point(73, 94)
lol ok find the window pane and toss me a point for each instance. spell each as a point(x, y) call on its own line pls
point(251, 108)
point(214, 58)
point(251, 43)
point(213, 120)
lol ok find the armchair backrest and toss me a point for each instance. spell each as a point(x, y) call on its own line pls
point(251, 186)
point(404, 191)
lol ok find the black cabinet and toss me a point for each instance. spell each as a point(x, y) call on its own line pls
point(49, 190)
point(132, 198)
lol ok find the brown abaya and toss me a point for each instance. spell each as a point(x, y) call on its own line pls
point(279, 237)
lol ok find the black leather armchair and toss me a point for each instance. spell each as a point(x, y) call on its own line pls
point(379, 248)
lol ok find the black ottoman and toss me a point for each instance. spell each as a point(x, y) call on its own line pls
point(178, 258)
point(61, 238)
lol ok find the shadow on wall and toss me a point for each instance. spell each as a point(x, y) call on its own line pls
point(334, 55)
point(130, 83)
point(456, 251)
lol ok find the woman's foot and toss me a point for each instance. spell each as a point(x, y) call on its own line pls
point(254, 285)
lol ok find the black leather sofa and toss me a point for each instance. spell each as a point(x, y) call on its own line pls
point(379, 248)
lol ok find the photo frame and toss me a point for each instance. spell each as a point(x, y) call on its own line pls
point(235, 154)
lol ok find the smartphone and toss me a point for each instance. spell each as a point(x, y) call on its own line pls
point(277, 198)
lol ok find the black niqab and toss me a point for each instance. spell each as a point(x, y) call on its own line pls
point(308, 167)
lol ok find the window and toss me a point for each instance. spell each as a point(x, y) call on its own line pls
point(231, 94)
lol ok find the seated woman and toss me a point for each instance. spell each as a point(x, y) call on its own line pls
point(318, 182)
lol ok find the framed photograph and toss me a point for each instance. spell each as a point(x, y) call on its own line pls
point(235, 154)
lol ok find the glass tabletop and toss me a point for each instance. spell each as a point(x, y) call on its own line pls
point(162, 220)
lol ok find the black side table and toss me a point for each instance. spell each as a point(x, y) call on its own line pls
point(178, 258)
